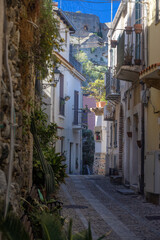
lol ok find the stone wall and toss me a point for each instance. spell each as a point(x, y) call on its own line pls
point(84, 23)
point(100, 164)
point(17, 51)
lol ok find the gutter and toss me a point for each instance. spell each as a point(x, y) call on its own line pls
point(69, 66)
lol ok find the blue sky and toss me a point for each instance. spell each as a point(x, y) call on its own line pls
point(101, 8)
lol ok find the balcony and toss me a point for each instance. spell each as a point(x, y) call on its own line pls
point(112, 87)
point(129, 61)
point(151, 76)
point(109, 112)
point(80, 119)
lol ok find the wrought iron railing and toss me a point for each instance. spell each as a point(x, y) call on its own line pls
point(128, 50)
point(80, 118)
point(112, 84)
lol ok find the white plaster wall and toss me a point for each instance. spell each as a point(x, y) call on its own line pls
point(71, 83)
point(66, 45)
point(100, 146)
point(52, 97)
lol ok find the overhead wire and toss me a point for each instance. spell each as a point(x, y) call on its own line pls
point(107, 1)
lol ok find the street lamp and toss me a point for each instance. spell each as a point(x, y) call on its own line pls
point(56, 79)
point(57, 74)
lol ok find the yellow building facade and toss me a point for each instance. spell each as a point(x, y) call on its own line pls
point(150, 76)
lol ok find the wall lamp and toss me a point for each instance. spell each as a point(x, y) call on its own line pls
point(57, 74)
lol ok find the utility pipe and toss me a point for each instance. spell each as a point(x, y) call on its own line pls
point(145, 11)
point(1, 47)
point(12, 124)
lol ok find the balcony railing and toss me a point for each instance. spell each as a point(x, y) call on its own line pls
point(109, 112)
point(80, 119)
point(129, 60)
point(112, 87)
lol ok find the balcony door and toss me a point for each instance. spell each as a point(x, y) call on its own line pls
point(76, 103)
point(61, 94)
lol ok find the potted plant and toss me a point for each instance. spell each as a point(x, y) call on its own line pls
point(138, 28)
point(128, 30)
point(128, 55)
point(113, 43)
point(139, 143)
point(137, 61)
point(97, 90)
point(100, 104)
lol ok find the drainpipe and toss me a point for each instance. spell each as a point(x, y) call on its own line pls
point(145, 9)
point(1, 46)
point(143, 147)
point(12, 116)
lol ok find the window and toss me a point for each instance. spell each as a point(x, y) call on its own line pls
point(111, 135)
point(115, 134)
point(62, 145)
point(138, 12)
point(85, 27)
point(76, 100)
point(98, 136)
point(61, 100)
point(138, 47)
point(66, 32)
point(157, 11)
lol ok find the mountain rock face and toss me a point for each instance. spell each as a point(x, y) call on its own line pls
point(90, 37)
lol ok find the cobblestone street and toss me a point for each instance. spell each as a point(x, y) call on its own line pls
point(95, 199)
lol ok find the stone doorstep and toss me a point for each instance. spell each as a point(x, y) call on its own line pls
point(134, 187)
point(126, 191)
point(116, 179)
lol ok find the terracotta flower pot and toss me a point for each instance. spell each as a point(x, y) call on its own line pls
point(129, 134)
point(139, 143)
point(100, 104)
point(128, 30)
point(138, 28)
point(113, 43)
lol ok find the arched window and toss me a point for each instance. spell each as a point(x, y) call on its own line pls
point(85, 27)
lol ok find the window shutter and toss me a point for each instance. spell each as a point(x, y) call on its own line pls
point(61, 86)
point(61, 96)
point(76, 98)
point(111, 135)
point(115, 134)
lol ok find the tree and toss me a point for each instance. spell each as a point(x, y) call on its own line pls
point(96, 89)
point(92, 72)
point(94, 86)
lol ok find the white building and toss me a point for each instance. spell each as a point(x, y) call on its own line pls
point(101, 163)
point(64, 101)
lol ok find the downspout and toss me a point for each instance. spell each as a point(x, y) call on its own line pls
point(1, 53)
point(1, 46)
point(145, 35)
point(12, 117)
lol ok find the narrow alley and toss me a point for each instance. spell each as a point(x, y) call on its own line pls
point(118, 216)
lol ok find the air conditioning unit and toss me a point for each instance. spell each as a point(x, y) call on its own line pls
point(152, 172)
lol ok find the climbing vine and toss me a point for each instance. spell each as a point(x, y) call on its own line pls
point(47, 137)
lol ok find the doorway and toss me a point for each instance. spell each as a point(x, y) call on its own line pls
point(70, 157)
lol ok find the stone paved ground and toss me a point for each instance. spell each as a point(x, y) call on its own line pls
point(95, 199)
